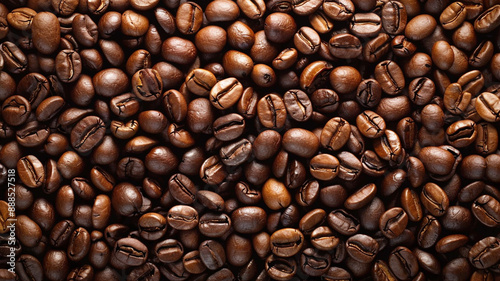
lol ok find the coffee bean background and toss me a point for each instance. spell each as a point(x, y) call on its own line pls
point(250, 140)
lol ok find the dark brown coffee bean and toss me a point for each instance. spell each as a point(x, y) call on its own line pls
point(488, 20)
point(343, 222)
point(31, 171)
point(442, 162)
point(178, 50)
point(249, 219)
point(271, 111)
point(55, 265)
point(411, 204)
point(46, 32)
point(315, 76)
point(182, 217)
point(394, 17)
point(482, 54)
point(147, 84)
point(212, 254)
point(434, 199)
point(376, 48)
point(87, 134)
point(390, 77)
point(315, 262)
point(130, 251)
point(298, 105)
point(403, 263)
point(286, 242)
point(485, 252)
point(79, 244)
point(226, 93)
point(236, 153)
point(280, 268)
point(487, 210)
point(189, 18)
point(229, 127)
point(16, 110)
point(362, 248)
point(335, 133)
point(488, 106)
point(393, 222)
point(450, 243)
point(453, 15)
point(182, 188)
point(370, 124)
point(339, 10)
point(365, 24)
point(461, 133)
point(420, 27)
point(28, 231)
point(307, 40)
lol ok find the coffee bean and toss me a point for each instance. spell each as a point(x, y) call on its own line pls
point(434, 199)
point(87, 134)
point(403, 263)
point(362, 247)
point(130, 251)
point(484, 253)
point(393, 222)
point(271, 111)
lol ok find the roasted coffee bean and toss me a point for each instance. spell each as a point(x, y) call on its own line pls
point(461, 133)
point(482, 54)
point(79, 244)
point(31, 171)
point(390, 77)
point(339, 10)
point(152, 226)
point(182, 217)
point(345, 46)
point(372, 164)
point(488, 106)
point(271, 111)
point(229, 127)
point(280, 268)
point(315, 75)
point(286, 242)
point(46, 32)
point(226, 93)
point(488, 20)
point(87, 134)
point(61, 232)
point(485, 252)
point(434, 199)
point(29, 267)
point(212, 254)
point(487, 210)
point(365, 24)
point(420, 27)
point(362, 247)
point(55, 265)
point(314, 262)
point(403, 263)
point(343, 222)
point(147, 84)
point(453, 15)
point(394, 17)
point(370, 124)
point(182, 188)
point(376, 48)
point(393, 222)
point(130, 251)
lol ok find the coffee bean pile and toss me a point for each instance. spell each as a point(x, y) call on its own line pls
point(147, 140)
